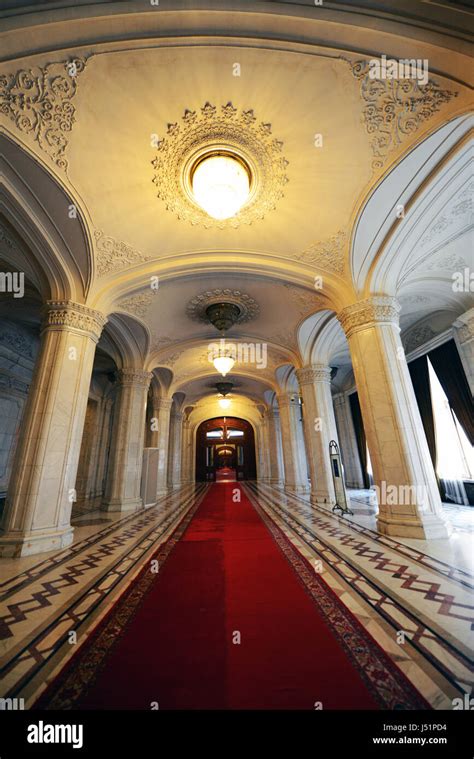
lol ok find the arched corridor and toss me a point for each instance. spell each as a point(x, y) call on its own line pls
point(236, 356)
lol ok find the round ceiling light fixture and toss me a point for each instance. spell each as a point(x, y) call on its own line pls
point(221, 183)
point(223, 316)
point(223, 388)
point(223, 363)
point(224, 402)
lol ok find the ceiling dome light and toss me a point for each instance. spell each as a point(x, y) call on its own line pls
point(223, 388)
point(224, 402)
point(221, 184)
point(223, 364)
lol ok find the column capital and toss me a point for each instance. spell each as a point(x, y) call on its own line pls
point(271, 413)
point(67, 315)
point(378, 309)
point(286, 400)
point(129, 376)
point(464, 326)
point(163, 404)
point(308, 375)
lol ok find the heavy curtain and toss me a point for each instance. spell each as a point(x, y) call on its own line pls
point(360, 436)
point(448, 366)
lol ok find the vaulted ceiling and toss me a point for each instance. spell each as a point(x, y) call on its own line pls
point(99, 104)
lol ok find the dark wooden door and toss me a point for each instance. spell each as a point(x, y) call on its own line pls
point(225, 442)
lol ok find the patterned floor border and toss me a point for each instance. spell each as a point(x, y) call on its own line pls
point(462, 576)
point(18, 582)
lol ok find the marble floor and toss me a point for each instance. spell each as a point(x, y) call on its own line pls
point(414, 597)
point(457, 550)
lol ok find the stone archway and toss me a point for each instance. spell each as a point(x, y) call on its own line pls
point(225, 442)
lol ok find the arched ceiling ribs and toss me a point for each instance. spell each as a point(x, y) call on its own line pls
point(207, 408)
point(164, 377)
point(130, 338)
point(399, 191)
point(189, 265)
point(439, 31)
point(178, 400)
point(50, 218)
point(286, 378)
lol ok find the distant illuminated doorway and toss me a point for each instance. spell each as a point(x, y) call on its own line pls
point(225, 449)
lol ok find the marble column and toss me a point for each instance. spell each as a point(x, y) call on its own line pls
point(42, 487)
point(320, 429)
point(175, 461)
point(126, 453)
point(296, 480)
point(163, 407)
point(463, 330)
point(186, 453)
point(274, 439)
point(348, 442)
point(407, 492)
point(103, 447)
point(153, 436)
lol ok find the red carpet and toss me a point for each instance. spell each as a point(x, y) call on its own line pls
point(226, 577)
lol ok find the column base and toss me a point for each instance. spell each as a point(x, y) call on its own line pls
point(430, 528)
point(162, 493)
point(324, 502)
point(298, 489)
point(122, 504)
point(27, 544)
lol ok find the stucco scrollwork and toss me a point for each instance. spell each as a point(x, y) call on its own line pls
point(326, 254)
point(418, 336)
point(137, 305)
point(114, 255)
point(39, 102)
point(395, 108)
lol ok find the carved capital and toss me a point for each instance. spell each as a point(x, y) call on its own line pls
point(163, 404)
point(288, 400)
point(379, 309)
point(464, 326)
point(67, 315)
point(308, 375)
point(129, 377)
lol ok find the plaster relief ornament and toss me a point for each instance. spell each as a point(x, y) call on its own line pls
point(230, 135)
point(328, 254)
point(137, 305)
point(114, 255)
point(395, 108)
point(39, 102)
point(197, 306)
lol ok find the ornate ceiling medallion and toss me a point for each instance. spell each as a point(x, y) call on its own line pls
point(224, 131)
point(197, 306)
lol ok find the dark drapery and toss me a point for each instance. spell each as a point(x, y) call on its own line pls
point(421, 385)
point(448, 366)
point(360, 436)
point(420, 378)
